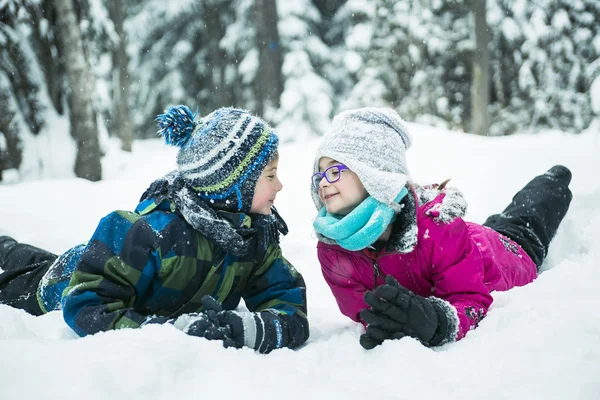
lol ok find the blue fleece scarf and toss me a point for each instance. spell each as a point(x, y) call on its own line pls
point(361, 227)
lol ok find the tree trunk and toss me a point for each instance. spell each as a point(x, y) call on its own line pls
point(122, 125)
point(83, 118)
point(269, 78)
point(480, 88)
point(47, 48)
point(11, 154)
point(217, 56)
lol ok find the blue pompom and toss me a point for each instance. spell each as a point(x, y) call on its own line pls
point(176, 125)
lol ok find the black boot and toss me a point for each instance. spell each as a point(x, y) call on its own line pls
point(6, 245)
point(15, 255)
point(24, 266)
point(561, 173)
point(533, 216)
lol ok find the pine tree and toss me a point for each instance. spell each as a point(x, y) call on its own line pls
point(178, 58)
point(348, 28)
point(307, 100)
point(544, 57)
point(216, 14)
point(240, 45)
point(19, 89)
point(419, 61)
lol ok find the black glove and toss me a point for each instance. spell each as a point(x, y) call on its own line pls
point(208, 324)
point(264, 331)
point(375, 335)
point(396, 312)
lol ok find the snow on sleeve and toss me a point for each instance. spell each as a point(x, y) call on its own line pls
point(452, 206)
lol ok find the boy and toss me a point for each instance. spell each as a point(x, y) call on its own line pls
point(202, 237)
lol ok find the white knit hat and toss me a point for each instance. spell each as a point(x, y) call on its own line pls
point(372, 142)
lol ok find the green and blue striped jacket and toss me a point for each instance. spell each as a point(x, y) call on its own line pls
point(152, 263)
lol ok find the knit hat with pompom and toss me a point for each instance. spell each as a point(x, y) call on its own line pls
point(222, 155)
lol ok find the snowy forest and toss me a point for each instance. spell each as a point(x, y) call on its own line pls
point(494, 93)
point(106, 68)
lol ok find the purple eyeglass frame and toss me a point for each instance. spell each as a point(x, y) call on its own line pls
point(323, 174)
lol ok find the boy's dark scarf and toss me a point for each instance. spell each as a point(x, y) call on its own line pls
point(221, 227)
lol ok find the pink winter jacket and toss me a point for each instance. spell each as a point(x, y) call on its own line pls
point(456, 261)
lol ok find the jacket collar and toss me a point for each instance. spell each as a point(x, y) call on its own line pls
point(236, 220)
point(425, 202)
point(403, 238)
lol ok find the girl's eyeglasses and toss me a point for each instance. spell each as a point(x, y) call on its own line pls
point(331, 174)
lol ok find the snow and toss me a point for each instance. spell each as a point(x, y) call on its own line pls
point(352, 61)
point(292, 27)
point(101, 22)
point(541, 341)
point(249, 66)
point(302, 8)
point(368, 91)
point(305, 101)
point(537, 27)
point(360, 37)
point(296, 19)
point(560, 20)
point(510, 29)
point(582, 35)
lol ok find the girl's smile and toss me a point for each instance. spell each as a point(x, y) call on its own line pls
point(326, 197)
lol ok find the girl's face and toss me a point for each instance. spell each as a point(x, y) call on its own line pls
point(267, 187)
point(342, 196)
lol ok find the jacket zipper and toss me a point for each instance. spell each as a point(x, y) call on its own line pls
point(376, 272)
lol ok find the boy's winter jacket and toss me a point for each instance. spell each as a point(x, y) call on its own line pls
point(432, 251)
point(151, 263)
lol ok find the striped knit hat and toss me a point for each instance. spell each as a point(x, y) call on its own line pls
point(221, 155)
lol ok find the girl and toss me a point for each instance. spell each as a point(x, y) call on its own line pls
point(201, 238)
point(397, 256)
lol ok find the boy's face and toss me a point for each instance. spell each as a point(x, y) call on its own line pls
point(344, 195)
point(267, 187)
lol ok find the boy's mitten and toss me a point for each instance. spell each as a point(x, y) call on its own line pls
point(205, 324)
point(264, 331)
point(398, 312)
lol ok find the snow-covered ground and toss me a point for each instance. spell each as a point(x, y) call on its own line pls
point(541, 341)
